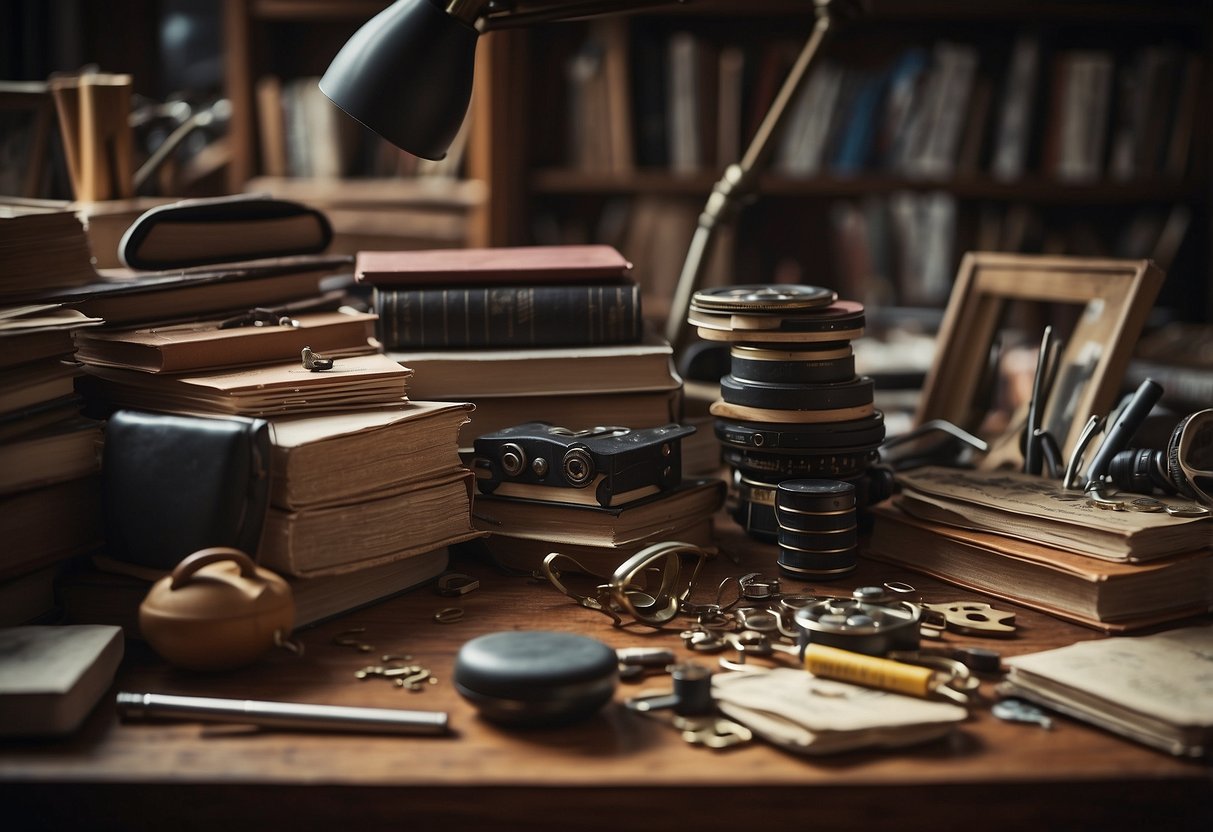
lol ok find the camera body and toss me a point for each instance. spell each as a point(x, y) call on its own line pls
point(616, 464)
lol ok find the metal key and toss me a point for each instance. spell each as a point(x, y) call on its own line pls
point(1017, 710)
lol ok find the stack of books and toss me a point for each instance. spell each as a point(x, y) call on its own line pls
point(367, 488)
point(49, 496)
point(538, 333)
point(1029, 541)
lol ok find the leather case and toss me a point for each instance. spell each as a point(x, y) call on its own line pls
point(172, 485)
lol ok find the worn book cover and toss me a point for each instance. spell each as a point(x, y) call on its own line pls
point(343, 457)
point(217, 344)
point(509, 316)
point(1040, 510)
point(1108, 595)
point(269, 390)
point(1156, 689)
point(332, 540)
point(502, 266)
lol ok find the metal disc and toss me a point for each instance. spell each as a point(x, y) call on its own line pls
point(763, 298)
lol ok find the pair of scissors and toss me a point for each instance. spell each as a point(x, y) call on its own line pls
point(1039, 446)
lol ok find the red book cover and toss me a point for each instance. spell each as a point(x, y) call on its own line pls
point(506, 266)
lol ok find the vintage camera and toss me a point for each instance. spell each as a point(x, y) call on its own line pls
point(1184, 467)
point(613, 464)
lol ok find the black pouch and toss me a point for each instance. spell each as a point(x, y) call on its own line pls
point(172, 485)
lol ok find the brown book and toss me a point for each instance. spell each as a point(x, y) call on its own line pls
point(473, 374)
point(332, 540)
point(27, 386)
point(210, 345)
point(1110, 596)
point(575, 411)
point(44, 247)
point(1039, 510)
point(63, 451)
point(127, 296)
point(310, 456)
point(506, 266)
point(49, 524)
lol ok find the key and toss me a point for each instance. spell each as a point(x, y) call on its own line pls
point(1016, 710)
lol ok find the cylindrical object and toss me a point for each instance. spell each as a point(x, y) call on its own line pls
point(1127, 423)
point(869, 671)
point(283, 714)
point(817, 528)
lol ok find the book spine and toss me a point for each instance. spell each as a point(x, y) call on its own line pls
point(509, 316)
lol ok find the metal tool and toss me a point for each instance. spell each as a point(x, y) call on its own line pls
point(1017, 710)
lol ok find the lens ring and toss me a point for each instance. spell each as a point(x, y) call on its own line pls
point(578, 467)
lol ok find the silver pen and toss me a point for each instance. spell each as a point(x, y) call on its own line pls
point(283, 714)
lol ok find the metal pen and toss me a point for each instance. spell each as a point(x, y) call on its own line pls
point(282, 714)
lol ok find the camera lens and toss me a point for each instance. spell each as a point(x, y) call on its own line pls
point(513, 459)
point(1140, 470)
point(578, 467)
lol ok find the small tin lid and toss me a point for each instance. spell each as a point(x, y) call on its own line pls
point(533, 676)
point(814, 496)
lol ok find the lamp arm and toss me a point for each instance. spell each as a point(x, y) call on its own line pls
point(738, 181)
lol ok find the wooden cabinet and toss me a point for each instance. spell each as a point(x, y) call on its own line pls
point(908, 152)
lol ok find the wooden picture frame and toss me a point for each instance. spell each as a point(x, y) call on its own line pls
point(26, 120)
point(1115, 297)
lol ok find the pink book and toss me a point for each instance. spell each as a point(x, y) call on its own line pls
point(506, 266)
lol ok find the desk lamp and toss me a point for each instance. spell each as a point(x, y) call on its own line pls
point(407, 75)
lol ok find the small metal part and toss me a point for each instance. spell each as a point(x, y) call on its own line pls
point(314, 362)
point(345, 639)
point(712, 732)
point(1071, 480)
point(1146, 504)
point(755, 587)
point(636, 662)
point(448, 615)
point(975, 618)
point(1099, 498)
point(456, 583)
point(1192, 510)
point(1017, 710)
point(513, 458)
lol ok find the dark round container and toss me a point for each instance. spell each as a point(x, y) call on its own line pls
point(867, 432)
point(857, 392)
point(536, 678)
point(818, 566)
point(814, 496)
point(826, 541)
point(793, 367)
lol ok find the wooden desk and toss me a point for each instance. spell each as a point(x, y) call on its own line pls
point(617, 771)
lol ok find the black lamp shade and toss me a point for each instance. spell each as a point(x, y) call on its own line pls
point(407, 75)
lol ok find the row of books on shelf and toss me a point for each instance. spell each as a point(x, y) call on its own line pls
point(304, 135)
point(688, 102)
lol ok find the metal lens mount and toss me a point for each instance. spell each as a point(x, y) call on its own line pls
point(578, 467)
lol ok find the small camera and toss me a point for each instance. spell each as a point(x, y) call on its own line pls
point(604, 465)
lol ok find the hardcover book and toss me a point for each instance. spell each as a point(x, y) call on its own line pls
point(1106, 595)
point(509, 316)
point(504, 266)
point(209, 345)
point(1039, 510)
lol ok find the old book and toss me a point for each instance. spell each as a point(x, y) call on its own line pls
point(210, 345)
point(311, 456)
point(576, 411)
point(1039, 510)
point(373, 381)
point(223, 229)
point(43, 248)
point(1107, 595)
point(46, 525)
point(526, 554)
point(448, 374)
point(650, 519)
point(1155, 689)
point(331, 540)
point(51, 677)
point(509, 316)
point(504, 266)
point(29, 385)
point(63, 451)
point(127, 296)
point(29, 333)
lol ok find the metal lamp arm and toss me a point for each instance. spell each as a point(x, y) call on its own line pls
point(740, 180)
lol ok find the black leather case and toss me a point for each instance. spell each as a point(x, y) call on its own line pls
point(172, 485)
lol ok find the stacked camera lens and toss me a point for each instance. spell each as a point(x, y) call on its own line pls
point(818, 528)
point(791, 406)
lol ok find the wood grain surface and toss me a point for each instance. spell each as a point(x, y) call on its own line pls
point(616, 770)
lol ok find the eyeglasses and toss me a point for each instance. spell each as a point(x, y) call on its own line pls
point(628, 589)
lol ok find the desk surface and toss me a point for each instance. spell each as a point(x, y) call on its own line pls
point(614, 771)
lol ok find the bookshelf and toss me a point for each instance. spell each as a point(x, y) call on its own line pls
point(881, 212)
point(288, 140)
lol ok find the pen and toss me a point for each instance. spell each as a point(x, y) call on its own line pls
point(1126, 424)
point(282, 714)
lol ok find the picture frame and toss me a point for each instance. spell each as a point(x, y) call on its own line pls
point(27, 117)
point(1112, 299)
